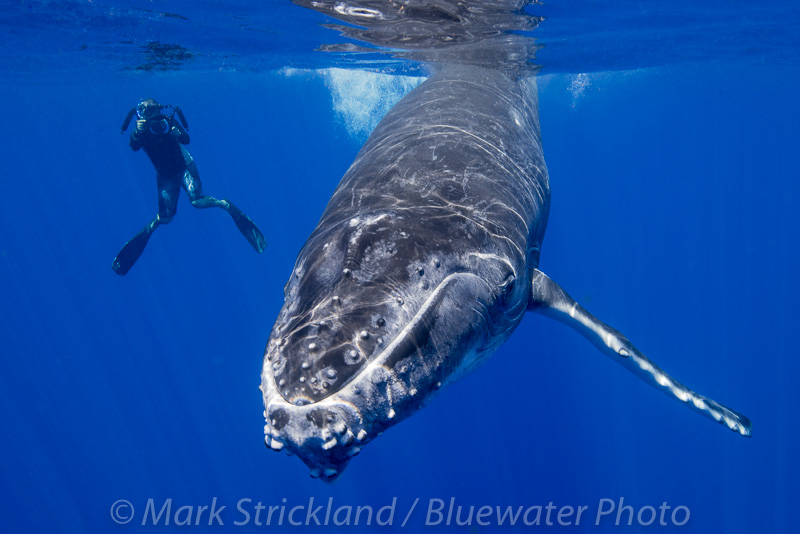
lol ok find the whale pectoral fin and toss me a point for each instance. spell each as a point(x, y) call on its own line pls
point(549, 299)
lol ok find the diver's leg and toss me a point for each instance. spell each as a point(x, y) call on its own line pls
point(194, 189)
point(168, 191)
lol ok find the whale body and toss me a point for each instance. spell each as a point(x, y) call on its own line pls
point(423, 263)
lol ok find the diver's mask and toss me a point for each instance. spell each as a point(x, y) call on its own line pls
point(143, 109)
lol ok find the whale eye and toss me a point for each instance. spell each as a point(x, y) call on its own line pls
point(507, 287)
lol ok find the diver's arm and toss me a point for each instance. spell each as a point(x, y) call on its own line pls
point(136, 135)
point(179, 133)
point(135, 142)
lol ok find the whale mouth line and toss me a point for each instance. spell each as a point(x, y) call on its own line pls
point(413, 328)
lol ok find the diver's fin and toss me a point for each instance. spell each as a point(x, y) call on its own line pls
point(131, 251)
point(248, 228)
point(549, 299)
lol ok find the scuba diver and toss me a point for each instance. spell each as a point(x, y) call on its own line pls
point(162, 138)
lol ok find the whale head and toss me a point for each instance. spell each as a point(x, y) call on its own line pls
point(380, 313)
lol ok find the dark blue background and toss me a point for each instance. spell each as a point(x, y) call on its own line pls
point(673, 219)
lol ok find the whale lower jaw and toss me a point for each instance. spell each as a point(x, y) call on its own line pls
point(326, 434)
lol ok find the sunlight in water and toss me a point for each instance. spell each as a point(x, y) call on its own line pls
point(362, 98)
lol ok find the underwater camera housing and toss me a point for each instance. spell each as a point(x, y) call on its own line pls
point(158, 125)
point(159, 121)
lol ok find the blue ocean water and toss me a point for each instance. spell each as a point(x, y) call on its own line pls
point(670, 134)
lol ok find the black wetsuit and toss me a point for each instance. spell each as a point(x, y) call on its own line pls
point(163, 140)
point(174, 166)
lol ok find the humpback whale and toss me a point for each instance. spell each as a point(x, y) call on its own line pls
point(424, 261)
